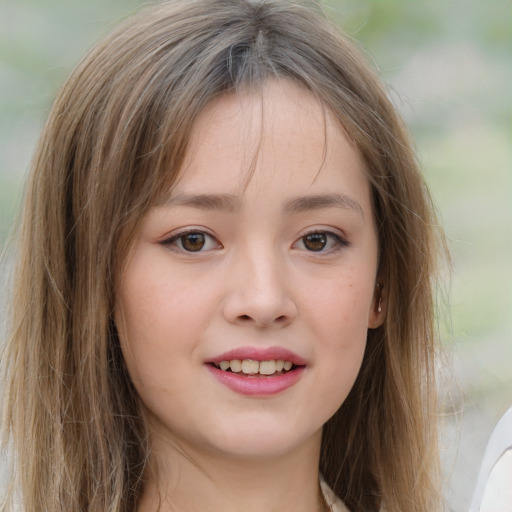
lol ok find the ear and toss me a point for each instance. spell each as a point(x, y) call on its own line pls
point(378, 309)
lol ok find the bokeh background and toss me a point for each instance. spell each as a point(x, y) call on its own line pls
point(448, 66)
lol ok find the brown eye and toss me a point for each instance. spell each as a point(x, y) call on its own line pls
point(315, 241)
point(325, 242)
point(189, 241)
point(193, 242)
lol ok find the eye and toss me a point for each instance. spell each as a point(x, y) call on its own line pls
point(192, 241)
point(315, 241)
point(321, 241)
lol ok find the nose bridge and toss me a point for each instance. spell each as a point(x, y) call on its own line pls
point(264, 270)
point(260, 292)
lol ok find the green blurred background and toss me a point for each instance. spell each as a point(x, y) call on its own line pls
point(448, 65)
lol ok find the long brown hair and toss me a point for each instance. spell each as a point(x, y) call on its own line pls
point(115, 139)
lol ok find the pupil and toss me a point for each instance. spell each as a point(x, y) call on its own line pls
point(193, 241)
point(315, 241)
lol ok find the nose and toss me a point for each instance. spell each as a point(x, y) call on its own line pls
point(259, 292)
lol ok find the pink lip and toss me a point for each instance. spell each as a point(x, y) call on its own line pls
point(258, 385)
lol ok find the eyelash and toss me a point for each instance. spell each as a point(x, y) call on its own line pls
point(176, 241)
point(337, 241)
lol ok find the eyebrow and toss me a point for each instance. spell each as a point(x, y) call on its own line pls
point(319, 201)
point(205, 201)
point(228, 202)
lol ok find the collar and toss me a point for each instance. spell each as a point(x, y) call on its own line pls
point(333, 502)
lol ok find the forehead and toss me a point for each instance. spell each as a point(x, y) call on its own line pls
point(280, 138)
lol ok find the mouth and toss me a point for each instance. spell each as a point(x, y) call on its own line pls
point(255, 368)
point(258, 371)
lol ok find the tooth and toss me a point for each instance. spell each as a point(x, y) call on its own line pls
point(250, 366)
point(287, 365)
point(267, 367)
point(279, 365)
point(224, 365)
point(236, 365)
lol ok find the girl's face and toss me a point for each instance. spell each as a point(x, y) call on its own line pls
point(262, 257)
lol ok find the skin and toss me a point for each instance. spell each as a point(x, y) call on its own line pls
point(256, 282)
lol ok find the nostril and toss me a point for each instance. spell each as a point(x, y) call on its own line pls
point(279, 319)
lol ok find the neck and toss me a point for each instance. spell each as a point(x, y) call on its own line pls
point(183, 481)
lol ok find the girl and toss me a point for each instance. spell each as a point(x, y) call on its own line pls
point(223, 296)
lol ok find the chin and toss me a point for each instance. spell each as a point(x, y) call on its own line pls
point(263, 441)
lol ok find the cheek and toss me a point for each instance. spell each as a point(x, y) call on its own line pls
point(160, 315)
point(151, 342)
point(345, 329)
point(151, 298)
point(341, 307)
point(144, 318)
point(339, 324)
point(344, 349)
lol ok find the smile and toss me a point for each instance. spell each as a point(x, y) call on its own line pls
point(258, 371)
point(253, 367)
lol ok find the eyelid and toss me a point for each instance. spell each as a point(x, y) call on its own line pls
point(340, 240)
point(171, 239)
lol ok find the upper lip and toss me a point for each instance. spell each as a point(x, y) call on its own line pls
point(259, 354)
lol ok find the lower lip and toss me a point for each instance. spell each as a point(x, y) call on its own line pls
point(257, 386)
